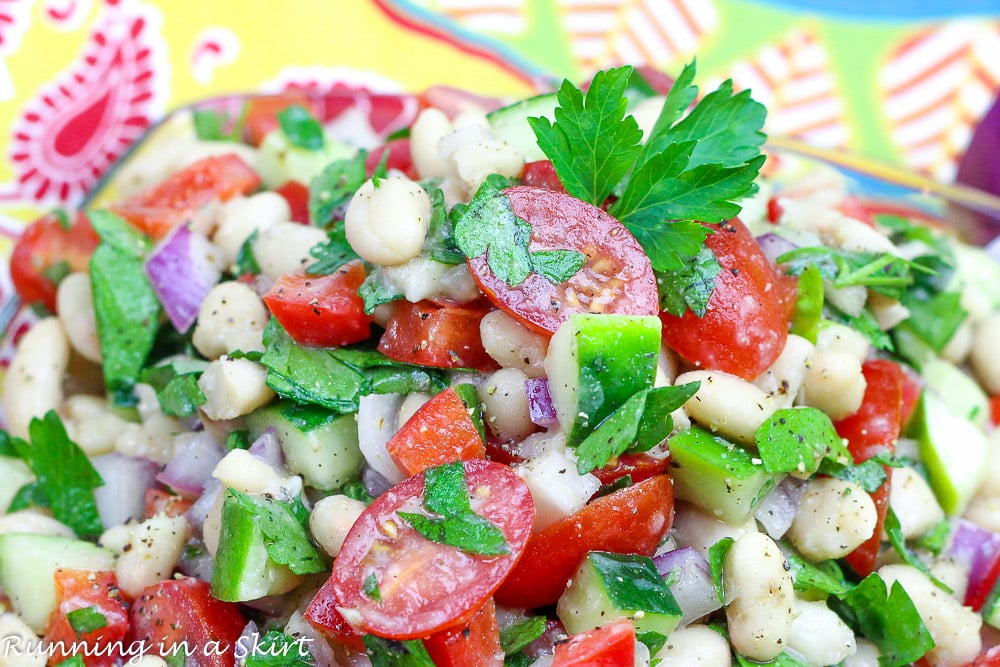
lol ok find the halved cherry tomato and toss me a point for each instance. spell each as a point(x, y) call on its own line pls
point(632, 520)
point(745, 327)
point(297, 196)
point(617, 276)
point(440, 431)
point(873, 429)
point(325, 311)
point(399, 158)
point(46, 246)
point(177, 613)
point(94, 590)
point(159, 501)
point(262, 113)
point(639, 466)
point(430, 334)
point(995, 409)
point(426, 587)
point(542, 174)
point(322, 614)
point(611, 645)
point(477, 643)
point(173, 201)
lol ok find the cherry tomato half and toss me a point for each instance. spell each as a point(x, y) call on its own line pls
point(611, 645)
point(617, 276)
point(425, 587)
point(84, 589)
point(43, 247)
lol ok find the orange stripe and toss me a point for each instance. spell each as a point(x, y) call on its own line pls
point(927, 109)
point(658, 29)
point(959, 54)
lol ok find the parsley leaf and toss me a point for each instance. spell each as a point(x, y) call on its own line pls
point(824, 576)
point(393, 653)
point(332, 189)
point(65, 477)
point(86, 619)
point(301, 128)
point(796, 439)
point(456, 524)
point(716, 557)
point(522, 633)
point(246, 262)
point(894, 531)
point(286, 540)
point(370, 588)
point(278, 649)
point(488, 226)
point(592, 143)
point(176, 385)
point(332, 253)
point(690, 286)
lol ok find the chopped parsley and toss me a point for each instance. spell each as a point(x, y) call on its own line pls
point(332, 253)
point(894, 531)
point(86, 619)
point(393, 653)
point(279, 649)
point(176, 385)
point(301, 128)
point(332, 189)
point(522, 633)
point(716, 558)
point(370, 588)
point(211, 125)
point(797, 439)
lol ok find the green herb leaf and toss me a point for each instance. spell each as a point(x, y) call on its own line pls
point(356, 490)
point(332, 254)
point(690, 286)
point(522, 633)
point(238, 439)
point(375, 291)
point(894, 531)
point(278, 649)
point(126, 307)
point(869, 474)
point(716, 558)
point(176, 385)
point(824, 576)
point(301, 128)
point(86, 619)
point(808, 304)
point(246, 262)
point(370, 588)
point(74, 661)
point(210, 125)
point(332, 189)
point(592, 143)
point(887, 618)
point(654, 641)
point(287, 540)
point(392, 653)
point(797, 439)
point(64, 475)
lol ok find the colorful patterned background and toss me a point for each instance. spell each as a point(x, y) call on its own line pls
point(903, 82)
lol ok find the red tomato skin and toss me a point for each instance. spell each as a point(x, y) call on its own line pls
point(617, 276)
point(632, 520)
point(611, 645)
point(874, 429)
point(995, 410)
point(79, 589)
point(399, 158)
point(297, 196)
point(43, 244)
point(476, 644)
point(978, 591)
point(746, 324)
point(427, 587)
point(174, 200)
point(321, 311)
point(542, 174)
point(989, 658)
point(322, 614)
point(163, 502)
point(440, 431)
point(639, 466)
point(183, 610)
point(262, 113)
point(430, 334)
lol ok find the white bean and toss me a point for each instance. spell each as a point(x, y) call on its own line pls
point(888, 312)
point(913, 501)
point(983, 356)
point(155, 547)
point(285, 247)
point(75, 305)
point(331, 519)
point(233, 387)
point(153, 439)
point(475, 160)
point(409, 406)
point(557, 489)
point(512, 345)
point(866, 656)
point(242, 470)
point(834, 383)
point(695, 646)
point(834, 517)
point(33, 383)
point(785, 376)
point(819, 635)
point(34, 521)
point(505, 405)
point(762, 598)
point(699, 530)
point(727, 404)
point(19, 645)
point(91, 423)
point(424, 278)
point(425, 134)
point(953, 627)
point(834, 336)
point(240, 217)
point(232, 317)
point(387, 224)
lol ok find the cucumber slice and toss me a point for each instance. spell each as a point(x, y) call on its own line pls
point(721, 478)
point(278, 161)
point(953, 449)
point(510, 123)
point(597, 362)
point(609, 586)
point(28, 564)
point(323, 448)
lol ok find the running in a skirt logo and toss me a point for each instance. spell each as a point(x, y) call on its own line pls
point(132, 653)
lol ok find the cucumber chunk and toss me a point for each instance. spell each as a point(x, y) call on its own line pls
point(323, 448)
point(721, 478)
point(609, 586)
point(510, 123)
point(278, 161)
point(28, 564)
point(597, 362)
point(14, 473)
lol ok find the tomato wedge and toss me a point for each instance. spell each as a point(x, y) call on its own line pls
point(439, 335)
point(95, 592)
point(173, 201)
point(477, 643)
point(611, 645)
point(632, 520)
point(745, 327)
point(440, 431)
point(46, 248)
point(325, 311)
point(873, 429)
point(158, 501)
point(426, 587)
point(297, 196)
point(616, 278)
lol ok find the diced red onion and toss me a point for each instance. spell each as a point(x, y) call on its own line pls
point(540, 407)
point(267, 448)
point(198, 565)
point(191, 467)
point(123, 494)
point(248, 639)
point(182, 268)
point(375, 483)
point(378, 419)
point(777, 509)
point(774, 246)
point(975, 546)
point(314, 641)
point(199, 510)
point(693, 589)
point(993, 249)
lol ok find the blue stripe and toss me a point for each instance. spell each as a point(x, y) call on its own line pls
point(898, 11)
